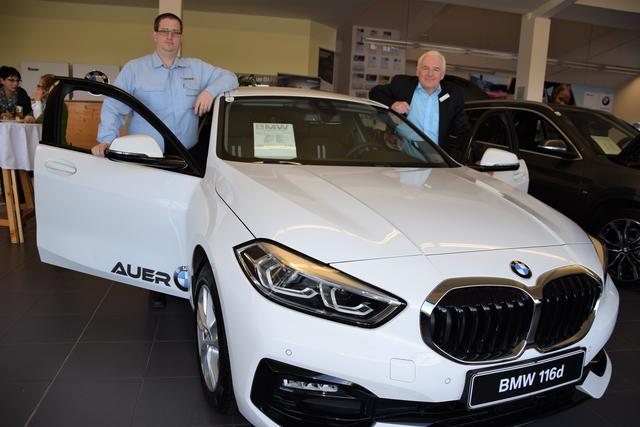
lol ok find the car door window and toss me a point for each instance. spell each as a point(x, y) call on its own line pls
point(490, 131)
point(533, 130)
point(73, 113)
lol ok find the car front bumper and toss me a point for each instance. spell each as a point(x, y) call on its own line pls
point(391, 362)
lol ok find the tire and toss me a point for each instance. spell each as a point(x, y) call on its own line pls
point(621, 233)
point(211, 344)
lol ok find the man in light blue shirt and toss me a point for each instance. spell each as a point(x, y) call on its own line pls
point(433, 105)
point(178, 90)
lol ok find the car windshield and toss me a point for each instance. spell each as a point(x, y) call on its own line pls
point(608, 134)
point(322, 132)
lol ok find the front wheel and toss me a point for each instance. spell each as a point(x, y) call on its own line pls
point(213, 355)
point(621, 233)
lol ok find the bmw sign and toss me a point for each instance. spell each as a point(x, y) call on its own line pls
point(521, 269)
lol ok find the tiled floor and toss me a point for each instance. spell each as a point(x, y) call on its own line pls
point(80, 351)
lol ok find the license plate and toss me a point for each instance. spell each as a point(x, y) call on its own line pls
point(500, 385)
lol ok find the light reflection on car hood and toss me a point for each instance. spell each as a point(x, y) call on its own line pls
point(337, 213)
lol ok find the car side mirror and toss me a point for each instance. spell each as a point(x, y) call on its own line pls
point(496, 160)
point(136, 145)
point(556, 146)
point(143, 149)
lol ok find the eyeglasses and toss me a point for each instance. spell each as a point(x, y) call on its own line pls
point(13, 80)
point(165, 32)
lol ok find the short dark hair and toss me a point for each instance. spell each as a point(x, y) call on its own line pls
point(8, 72)
point(156, 23)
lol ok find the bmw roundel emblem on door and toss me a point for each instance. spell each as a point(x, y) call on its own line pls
point(521, 269)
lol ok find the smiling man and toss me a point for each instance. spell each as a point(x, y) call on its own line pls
point(436, 107)
point(177, 89)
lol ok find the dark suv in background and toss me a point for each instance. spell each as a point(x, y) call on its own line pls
point(585, 163)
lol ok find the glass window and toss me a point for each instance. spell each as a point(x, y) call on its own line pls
point(322, 131)
point(492, 131)
point(533, 130)
point(605, 132)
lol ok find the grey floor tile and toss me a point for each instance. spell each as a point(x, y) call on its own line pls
point(95, 403)
point(625, 375)
point(106, 360)
point(46, 328)
point(126, 300)
point(173, 359)
point(28, 362)
point(17, 401)
point(16, 302)
point(118, 328)
point(176, 402)
point(621, 409)
point(581, 415)
point(83, 301)
point(177, 327)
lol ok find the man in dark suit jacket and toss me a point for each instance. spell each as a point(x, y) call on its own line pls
point(429, 98)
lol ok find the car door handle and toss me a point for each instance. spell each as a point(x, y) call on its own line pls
point(60, 167)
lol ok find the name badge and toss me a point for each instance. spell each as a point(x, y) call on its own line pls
point(444, 97)
point(187, 78)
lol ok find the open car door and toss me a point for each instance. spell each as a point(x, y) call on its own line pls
point(123, 218)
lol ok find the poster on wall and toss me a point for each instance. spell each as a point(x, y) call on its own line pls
point(103, 73)
point(598, 101)
point(373, 63)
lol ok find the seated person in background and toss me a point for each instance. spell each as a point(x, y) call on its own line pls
point(13, 97)
point(46, 83)
point(562, 94)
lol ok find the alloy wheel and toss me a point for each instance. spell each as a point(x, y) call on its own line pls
point(622, 237)
point(208, 344)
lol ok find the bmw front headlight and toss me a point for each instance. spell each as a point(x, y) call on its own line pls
point(303, 284)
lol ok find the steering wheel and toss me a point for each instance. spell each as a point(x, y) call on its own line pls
point(362, 147)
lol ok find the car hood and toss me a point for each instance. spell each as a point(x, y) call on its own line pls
point(338, 213)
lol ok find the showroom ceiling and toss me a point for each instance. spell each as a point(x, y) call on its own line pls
point(590, 31)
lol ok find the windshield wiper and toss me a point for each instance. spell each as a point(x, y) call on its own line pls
point(277, 162)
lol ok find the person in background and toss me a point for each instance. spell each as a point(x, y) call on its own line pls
point(436, 107)
point(562, 94)
point(45, 85)
point(13, 98)
point(176, 89)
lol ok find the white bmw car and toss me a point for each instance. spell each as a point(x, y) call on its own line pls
point(343, 270)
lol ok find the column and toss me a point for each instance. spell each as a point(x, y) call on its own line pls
point(532, 57)
point(170, 6)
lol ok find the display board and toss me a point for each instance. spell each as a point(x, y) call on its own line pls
point(373, 63)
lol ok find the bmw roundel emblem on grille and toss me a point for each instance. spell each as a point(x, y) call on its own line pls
point(521, 269)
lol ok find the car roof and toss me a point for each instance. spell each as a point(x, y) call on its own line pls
point(244, 91)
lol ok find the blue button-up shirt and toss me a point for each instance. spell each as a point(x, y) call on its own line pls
point(170, 93)
point(424, 111)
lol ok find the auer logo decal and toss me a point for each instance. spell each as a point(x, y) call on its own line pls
point(146, 274)
point(181, 278)
point(521, 269)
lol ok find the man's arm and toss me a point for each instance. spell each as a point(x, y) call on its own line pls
point(216, 81)
point(113, 113)
point(391, 96)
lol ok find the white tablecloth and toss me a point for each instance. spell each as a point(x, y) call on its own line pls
point(18, 142)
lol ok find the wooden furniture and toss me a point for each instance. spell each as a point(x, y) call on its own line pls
point(18, 142)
